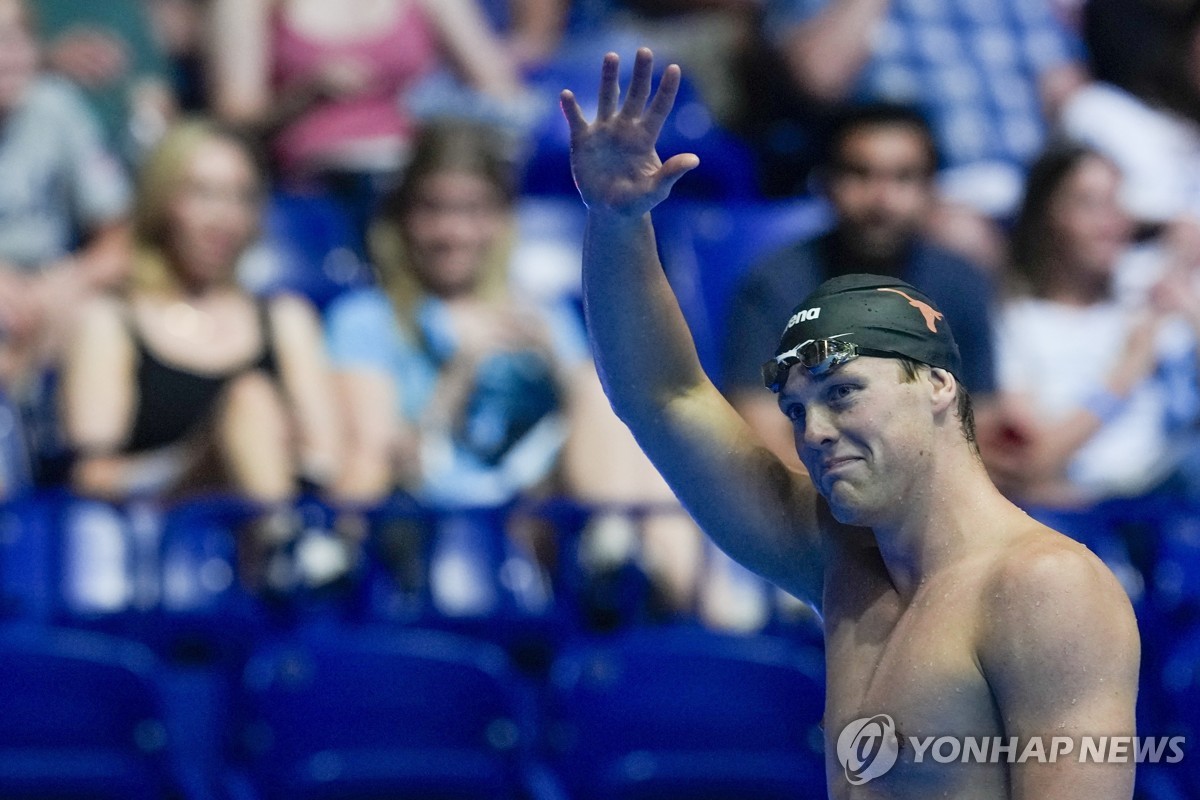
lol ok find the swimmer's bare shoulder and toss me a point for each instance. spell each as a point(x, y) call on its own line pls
point(1058, 645)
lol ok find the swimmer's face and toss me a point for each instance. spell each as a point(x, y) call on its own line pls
point(858, 429)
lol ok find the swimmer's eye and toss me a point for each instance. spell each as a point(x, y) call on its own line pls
point(795, 413)
point(840, 393)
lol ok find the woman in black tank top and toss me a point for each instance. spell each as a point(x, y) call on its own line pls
point(185, 381)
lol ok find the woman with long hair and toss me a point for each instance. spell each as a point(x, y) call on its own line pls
point(453, 384)
point(452, 381)
point(1097, 376)
point(184, 381)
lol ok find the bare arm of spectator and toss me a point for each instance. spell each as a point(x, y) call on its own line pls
point(102, 262)
point(825, 54)
point(1057, 85)
point(308, 383)
point(90, 56)
point(37, 309)
point(97, 406)
point(374, 457)
point(239, 57)
point(472, 47)
point(536, 29)
point(1042, 450)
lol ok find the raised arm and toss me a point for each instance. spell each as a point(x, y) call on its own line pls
point(754, 507)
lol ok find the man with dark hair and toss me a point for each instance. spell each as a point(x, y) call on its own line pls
point(877, 174)
point(947, 611)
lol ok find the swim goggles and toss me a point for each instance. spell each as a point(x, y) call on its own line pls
point(818, 356)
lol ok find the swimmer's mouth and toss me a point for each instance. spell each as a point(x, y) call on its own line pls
point(832, 464)
point(832, 468)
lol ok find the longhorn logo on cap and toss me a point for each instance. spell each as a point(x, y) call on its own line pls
point(930, 314)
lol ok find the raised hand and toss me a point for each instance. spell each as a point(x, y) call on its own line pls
point(613, 158)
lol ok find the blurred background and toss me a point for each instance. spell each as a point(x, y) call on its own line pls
point(309, 487)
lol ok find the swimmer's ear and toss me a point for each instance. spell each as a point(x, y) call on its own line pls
point(944, 389)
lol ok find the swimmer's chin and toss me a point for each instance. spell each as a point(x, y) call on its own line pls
point(845, 507)
point(847, 515)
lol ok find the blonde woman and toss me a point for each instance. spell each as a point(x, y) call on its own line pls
point(184, 380)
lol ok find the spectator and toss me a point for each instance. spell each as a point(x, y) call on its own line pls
point(991, 77)
point(326, 83)
point(180, 30)
point(63, 205)
point(453, 386)
point(711, 39)
point(445, 372)
point(184, 381)
point(532, 29)
point(1149, 122)
point(1100, 384)
point(878, 176)
point(109, 51)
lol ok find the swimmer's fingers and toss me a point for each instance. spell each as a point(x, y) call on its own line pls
point(613, 158)
point(610, 87)
point(674, 169)
point(576, 122)
point(664, 100)
point(639, 84)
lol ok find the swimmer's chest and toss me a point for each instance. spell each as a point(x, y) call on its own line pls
point(916, 664)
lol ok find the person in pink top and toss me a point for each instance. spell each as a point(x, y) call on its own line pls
point(325, 83)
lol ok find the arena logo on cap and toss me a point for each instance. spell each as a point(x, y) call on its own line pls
point(806, 315)
point(868, 747)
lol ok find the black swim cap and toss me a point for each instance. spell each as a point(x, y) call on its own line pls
point(876, 313)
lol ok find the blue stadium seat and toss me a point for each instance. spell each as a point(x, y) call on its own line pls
point(82, 718)
point(308, 246)
point(201, 606)
point(373, 713)
point(1180, 685)
point(1176, 580)
point(162, 574)
point(458, 571)
point(707, 247)
point(27, 559)
point(674, 713)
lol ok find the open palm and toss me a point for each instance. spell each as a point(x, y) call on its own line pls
point(613, 158)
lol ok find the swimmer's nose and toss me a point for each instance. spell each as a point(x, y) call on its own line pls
point(819, 429)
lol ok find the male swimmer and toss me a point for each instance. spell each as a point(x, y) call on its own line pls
point(945, 607)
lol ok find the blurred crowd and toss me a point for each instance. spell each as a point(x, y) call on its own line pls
point(280, 249)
